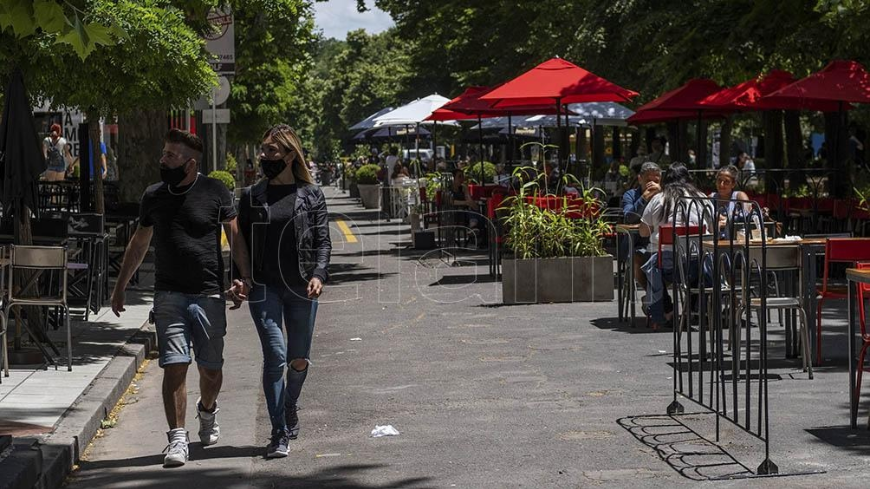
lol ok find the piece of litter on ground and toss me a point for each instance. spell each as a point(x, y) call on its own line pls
point(386, 430)
point(356, 339)
point(321, 455)
point(662, 351)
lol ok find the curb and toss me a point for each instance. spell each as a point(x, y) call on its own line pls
point(45, 462)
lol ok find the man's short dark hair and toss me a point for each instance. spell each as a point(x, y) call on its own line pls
point(188, 140)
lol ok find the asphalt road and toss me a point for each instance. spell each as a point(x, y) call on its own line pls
point(483, 396)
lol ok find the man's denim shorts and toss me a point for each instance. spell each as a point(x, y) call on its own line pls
point(186, 321)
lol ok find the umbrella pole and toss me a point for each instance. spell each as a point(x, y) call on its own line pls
point(435, 142)
point(698, 143)
point(591, 154)
point(480, 146)
point(510, 141)
point(559, 139)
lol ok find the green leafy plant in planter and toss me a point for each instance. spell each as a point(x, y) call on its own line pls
point(350, 172)
point(863, 198)
point(232, 164)
point(367, 175)
point(534, 232)
point(225, 177)
point(472, 173)
point(557, 257)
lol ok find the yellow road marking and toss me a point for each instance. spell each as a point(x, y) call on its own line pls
point(348, 234)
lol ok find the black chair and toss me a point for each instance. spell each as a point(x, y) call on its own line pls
point(86, 284)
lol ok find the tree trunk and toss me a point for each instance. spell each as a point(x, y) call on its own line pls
point(725, 142)
point(649, 135)
point(598, 148)
point(773, 149)
point(633, 145)
point(96, 155)
point(617, 144)
point(140, 146)
point(701, 146)
point(794, 149)
point(837, 164)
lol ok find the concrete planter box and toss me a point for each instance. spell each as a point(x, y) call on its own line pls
point(354, 190)
point(370, 195)
point(577, 279)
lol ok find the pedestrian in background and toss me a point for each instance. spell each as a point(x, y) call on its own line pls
point(57, 154)
point(285, 225)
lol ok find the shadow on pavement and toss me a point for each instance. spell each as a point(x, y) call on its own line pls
point(340, 477)
point(688, 453)
point(614, 324)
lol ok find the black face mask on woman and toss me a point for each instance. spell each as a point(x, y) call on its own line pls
point(173, 176)
point(272, 168)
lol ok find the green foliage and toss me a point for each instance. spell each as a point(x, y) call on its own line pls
point(274, 41)
point(225, 177)
point(433, 183)
point(350, 172)
point(349, 80)
point(472, 173)
point(232, 164)
point(158, 62)
point(59, 23)
point(534, 232)
point(367, 175)
point(799, 192)
point(863, 198)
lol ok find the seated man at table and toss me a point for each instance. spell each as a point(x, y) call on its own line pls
point(660, 211)
point(634, 201)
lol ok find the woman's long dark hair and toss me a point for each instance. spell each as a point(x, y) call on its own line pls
point(676, 184)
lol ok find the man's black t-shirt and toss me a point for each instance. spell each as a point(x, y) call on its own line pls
point(187, 234)
point(281, 257)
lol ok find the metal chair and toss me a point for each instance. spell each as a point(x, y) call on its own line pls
point(778, 259)
point(27, 265)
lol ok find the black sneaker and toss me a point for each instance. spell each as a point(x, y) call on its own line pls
point(291, 418)
point(278, 445)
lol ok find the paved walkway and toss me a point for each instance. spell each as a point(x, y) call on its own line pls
point(33, 399)
point(482, 395)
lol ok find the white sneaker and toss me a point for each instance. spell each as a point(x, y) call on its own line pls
point(176, 451)
point(209, 429)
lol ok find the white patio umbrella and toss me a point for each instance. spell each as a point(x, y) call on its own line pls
point(413, 113)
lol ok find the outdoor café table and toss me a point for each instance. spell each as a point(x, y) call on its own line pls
point(855, 277)
point(625, 270)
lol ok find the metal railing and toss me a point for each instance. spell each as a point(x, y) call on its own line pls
point(716, 270)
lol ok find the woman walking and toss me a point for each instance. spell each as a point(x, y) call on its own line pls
point(284, 221)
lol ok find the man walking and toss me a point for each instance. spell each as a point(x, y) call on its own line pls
point(183, 215)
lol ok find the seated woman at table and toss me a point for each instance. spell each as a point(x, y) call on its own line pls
point(399, 173)
point(660, 210)
point(725, 195)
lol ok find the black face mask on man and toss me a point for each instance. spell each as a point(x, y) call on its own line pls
point(272, 168)
point(173, 176)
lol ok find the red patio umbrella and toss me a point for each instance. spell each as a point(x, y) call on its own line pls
point(469, 105)
point(558, 82)
point(750, 95)
point(679, 104)
point(840, 82)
